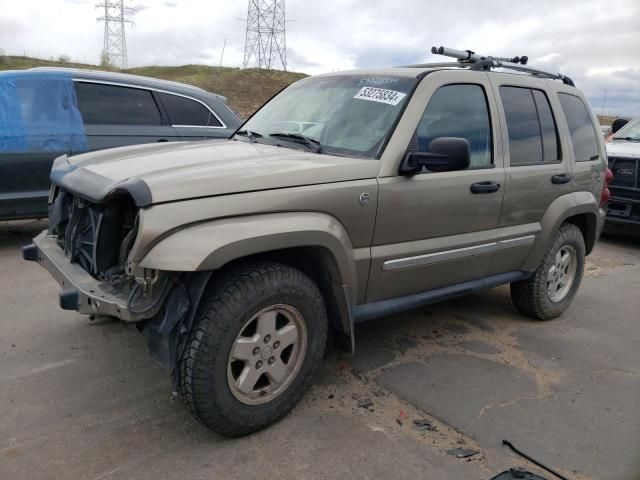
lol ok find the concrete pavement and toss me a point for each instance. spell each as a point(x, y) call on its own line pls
point(83, 400)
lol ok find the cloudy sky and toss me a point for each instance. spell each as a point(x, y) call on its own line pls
point(597, 43)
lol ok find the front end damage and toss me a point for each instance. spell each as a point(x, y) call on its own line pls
point(86, 250)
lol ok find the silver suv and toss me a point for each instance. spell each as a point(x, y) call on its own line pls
point(346, 197)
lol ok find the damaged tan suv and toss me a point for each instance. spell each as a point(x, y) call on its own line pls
point(346, 197)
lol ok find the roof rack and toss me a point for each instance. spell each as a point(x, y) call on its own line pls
point(485, 62)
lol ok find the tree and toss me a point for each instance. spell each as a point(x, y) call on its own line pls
point(104, 60)
point(64, 59)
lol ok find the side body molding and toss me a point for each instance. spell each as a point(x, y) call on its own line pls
point(211, 245)
point(561, 208)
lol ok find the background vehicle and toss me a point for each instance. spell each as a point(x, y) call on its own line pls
point(47, 112)
point(623, 151)
point(410, 185)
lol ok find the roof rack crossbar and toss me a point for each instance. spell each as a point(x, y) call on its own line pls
point(482, 62)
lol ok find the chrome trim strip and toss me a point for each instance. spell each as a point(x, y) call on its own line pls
point(516, 242)
point(430, 258)
point(457, 253)
point(142, 87)
point(196, 126)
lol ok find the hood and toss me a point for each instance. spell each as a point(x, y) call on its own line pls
point(155, 173)
point(623, 148)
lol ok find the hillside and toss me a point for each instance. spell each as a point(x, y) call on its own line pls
point(245, 89)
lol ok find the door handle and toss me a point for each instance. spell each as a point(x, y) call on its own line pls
point(163, 140)
point(485, 187)
point(560, 179)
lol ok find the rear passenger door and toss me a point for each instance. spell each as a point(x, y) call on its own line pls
point(118, 115)
point(191, 118)
point(537, 167)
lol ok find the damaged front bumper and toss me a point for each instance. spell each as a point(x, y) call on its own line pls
point(82, 292)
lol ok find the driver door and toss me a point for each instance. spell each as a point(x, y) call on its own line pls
point(437, 229)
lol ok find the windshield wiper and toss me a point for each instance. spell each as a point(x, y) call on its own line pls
point(628, 139)
point(249, 134)
point(296, 137)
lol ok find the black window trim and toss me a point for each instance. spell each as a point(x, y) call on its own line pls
point(486, 100)
point(153, 89)
point(596, 133)
point(555, 126)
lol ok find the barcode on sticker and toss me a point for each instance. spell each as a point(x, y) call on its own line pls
point(381, 95)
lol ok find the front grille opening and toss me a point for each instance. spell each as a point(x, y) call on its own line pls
point(98, 237)
point(626, 178)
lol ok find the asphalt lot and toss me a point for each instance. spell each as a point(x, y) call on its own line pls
point(82, 400)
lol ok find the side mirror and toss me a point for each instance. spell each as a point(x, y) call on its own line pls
point(446, 154)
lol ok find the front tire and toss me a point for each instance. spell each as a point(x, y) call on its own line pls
point(260, 331)
point(550, 290)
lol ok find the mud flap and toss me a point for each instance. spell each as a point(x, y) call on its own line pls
point(167, 331)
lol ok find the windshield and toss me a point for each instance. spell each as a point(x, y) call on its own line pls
point(343, 114)
point(630, 131)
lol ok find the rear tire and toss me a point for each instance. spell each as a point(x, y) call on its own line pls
point(550, 290)
point(260, 331)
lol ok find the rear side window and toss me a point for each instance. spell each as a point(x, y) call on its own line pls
point(550, 149)
point(458, 111)
point(583, 135)
point(531, 127)
point(187, 112)
point(110, 104)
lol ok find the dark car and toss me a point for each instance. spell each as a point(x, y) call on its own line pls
point(623, 151)
point(48, 112)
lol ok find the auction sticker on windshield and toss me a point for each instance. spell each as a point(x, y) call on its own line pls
point(381, 95)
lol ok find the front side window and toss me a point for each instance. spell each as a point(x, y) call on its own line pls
point(102, 104)
point(183, 111)
point(343, 114)
point(583, 134)
point(458, 111)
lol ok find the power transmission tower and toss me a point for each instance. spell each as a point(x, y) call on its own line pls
point(114, 51)
point(266, 38)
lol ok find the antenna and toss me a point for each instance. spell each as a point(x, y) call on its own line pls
point(266, 39)
point(487, 62)
point(114, 50)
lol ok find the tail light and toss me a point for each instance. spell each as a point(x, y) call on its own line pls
point(606, 194)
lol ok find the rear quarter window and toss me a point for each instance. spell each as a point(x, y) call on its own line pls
point(184, 111)
point(583, 133)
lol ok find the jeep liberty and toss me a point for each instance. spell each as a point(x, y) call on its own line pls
point(348, 196)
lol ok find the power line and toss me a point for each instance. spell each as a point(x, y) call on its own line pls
point(114, 50)
point(266, 39)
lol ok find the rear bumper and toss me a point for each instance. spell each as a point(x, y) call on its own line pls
point(601, 217)
point(80, 291)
